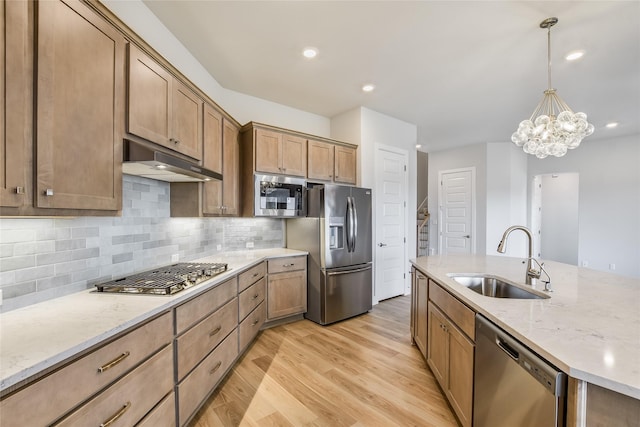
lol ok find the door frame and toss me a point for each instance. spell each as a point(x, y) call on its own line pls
point(379, 148)
point(472, 169)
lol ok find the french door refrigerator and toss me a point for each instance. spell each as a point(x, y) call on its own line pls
point(337, 235)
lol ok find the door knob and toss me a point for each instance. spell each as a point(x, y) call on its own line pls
point(467, 236)
point(382, 244)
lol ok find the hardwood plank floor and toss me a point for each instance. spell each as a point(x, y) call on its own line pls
point(359, 372)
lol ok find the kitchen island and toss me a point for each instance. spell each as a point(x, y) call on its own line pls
point(589, 327)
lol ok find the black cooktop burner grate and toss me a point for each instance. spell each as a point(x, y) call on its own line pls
point(164, 280)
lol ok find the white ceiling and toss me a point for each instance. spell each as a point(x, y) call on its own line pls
point(463, 71)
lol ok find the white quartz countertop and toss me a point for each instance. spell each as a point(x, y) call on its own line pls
point(39, 337)
point(589, 328)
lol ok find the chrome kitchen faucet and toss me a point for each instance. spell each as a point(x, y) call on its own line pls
point(532, 272)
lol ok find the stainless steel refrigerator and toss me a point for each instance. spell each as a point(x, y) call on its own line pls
point(337, 235)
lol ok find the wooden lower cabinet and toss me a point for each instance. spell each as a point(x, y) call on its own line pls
point(286, 287)
point(251, 325)
point(200, 383)
point(37, 405)
point(450, 355)
point(419, 315)
point(163, 415)
point(129, 399)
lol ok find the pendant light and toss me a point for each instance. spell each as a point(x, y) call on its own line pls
point(553, 128)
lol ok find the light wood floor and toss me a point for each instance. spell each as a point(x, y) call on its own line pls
point(359, 372)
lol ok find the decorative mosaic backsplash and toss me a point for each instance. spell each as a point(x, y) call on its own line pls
point(43, 258)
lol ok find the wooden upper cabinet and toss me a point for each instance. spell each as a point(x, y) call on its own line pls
point(320, 165)
point(15, 109)
point(231, 168)
point(294, 155)
point(80, 84)
point(221, 154)
point(161, 108)
point(331, 162)
point(280, 153)
point(345, 165)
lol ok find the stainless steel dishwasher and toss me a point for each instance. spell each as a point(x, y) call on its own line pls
point(514, 387)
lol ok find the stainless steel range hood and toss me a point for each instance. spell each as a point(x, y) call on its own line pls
point(140, 160)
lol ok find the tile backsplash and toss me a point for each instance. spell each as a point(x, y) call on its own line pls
point(43, 258)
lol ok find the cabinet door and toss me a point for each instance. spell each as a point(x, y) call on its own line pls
point(345, 165)
point(421, 313)
point(15, 92)
point(460, 388)
point(294, 155)
point(286, 294)
point(267, 151)
point(320, 160)
point(437, 345)
point(231, 168)
point(150, 91)
point(186, 113)
point(212, 139)
point(80, 108)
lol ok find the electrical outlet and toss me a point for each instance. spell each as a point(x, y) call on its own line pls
point(612, 267)
point(585, 263)
point(249, 245)
point(175, 257)
point(219, 247)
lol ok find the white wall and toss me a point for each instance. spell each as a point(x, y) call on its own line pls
point(243, 108)
point(506, 202)
point(609, 200)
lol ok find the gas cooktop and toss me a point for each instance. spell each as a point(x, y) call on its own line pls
point(164, 280)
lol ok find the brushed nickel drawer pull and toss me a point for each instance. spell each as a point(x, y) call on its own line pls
point(215, 331)
point(114, 362)
point(256, 296)
point(117, 415)
point(256, 274)
point(288, 265)
point(215, 368)
point(255, 322)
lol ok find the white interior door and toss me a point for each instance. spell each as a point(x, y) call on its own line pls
point(390, 197)
point(457, 211)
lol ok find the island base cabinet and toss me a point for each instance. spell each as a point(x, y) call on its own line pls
point(199, 384)
point(128, 400)
point(450, 356)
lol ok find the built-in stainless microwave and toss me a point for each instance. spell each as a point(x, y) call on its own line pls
point(280, 196)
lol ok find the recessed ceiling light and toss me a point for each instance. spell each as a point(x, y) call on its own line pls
point(611, 125)
point(310, 52)
point(572, 56)
point(368, 88)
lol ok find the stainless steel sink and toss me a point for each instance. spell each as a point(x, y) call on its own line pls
point(495, 287)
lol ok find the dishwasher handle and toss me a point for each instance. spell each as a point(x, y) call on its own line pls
point(504, 346)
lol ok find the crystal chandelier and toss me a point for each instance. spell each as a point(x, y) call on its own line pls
point(553, 128)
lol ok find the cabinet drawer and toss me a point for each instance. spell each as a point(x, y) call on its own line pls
point(197, 386)
point(251, 325)
point(460, 314)
point(48, 399)
point(198, 341)
point(278, 265)
point(163, 415)
point(194, 310)
point(252, 275)
point(250, 298)
point(129, 399)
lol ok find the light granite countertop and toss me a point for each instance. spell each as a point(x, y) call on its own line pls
point(39, 337)
point(589, 328)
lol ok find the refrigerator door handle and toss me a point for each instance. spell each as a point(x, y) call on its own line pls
point(357, 270)
point(354, 224)
point(351, 225)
